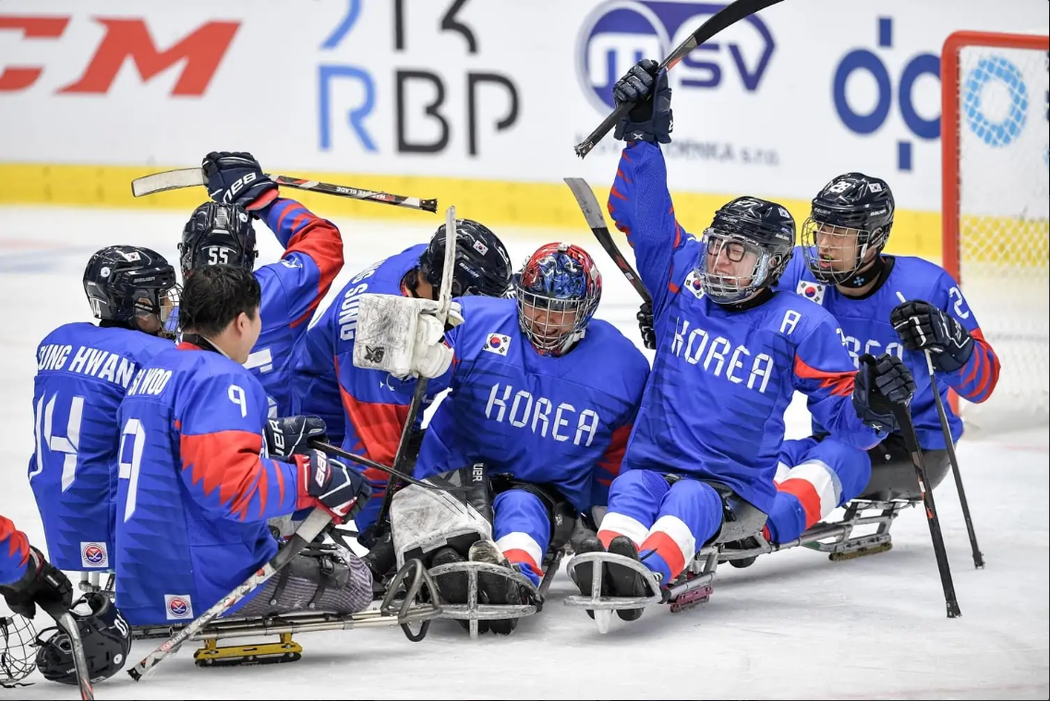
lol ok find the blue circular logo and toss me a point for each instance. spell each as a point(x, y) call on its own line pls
point(1003, 132)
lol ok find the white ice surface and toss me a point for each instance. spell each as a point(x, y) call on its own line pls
point(794, 625)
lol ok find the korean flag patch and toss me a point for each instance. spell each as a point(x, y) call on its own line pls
point(497, 343)
point(813, 291)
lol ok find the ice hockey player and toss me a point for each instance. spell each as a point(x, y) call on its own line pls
point(903, 305)
point(731, 353)
point(356, 404)
point(544, 396)
point(83, 372)
point(29, 581)
point(222, 232)
point(196, 486)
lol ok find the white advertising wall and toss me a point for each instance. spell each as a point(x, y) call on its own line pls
point(479, 95)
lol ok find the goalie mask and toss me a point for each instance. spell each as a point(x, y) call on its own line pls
point(482, 262)
point(848, 226)
point(557, 290)
point(132, 286)
point(746, 249)
point(218, 234)
point(104, 633)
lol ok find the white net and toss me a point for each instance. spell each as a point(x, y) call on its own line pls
point(1003, 204)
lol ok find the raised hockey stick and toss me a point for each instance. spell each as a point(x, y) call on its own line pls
point(727, 16)
point(361, 460)
point(949, 445)
point(403, 455)
point(68, 623)
point(592, 212)
point(911, 442)
point(192, 177)
point(316, 522)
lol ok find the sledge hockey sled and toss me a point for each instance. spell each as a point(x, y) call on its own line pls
point(409, 601)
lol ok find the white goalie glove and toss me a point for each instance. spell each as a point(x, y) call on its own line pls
point(402, 336)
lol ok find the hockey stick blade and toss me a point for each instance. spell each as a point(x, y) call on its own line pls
point(727, 16)
point(192, 177)
point(316, 522)
point(592, 213)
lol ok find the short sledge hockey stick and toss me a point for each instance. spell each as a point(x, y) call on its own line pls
point(192, 177)
point(727, 16)
point(68, 622)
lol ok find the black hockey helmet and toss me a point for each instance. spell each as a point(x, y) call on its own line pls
point(854, 209)
point(482, 263)
point(218, 234)
point(123, 283)
point(104, 633)
point(747, 225)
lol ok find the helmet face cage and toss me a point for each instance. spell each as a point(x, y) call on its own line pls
point(735, 247)
point(558, 291)
point(218, 235)
point(839, 244)
point(17, 659)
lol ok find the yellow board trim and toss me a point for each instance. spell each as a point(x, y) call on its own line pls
point(496, 203)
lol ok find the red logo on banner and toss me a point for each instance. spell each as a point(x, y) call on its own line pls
point(200, 52)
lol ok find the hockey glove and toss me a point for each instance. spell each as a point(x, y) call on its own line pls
point(923, 327)
point(290, 435)
point(650, 119)
point(42, 584)
point(645, 325)
point(332, 485)
point(236, 178)
point(878, 386)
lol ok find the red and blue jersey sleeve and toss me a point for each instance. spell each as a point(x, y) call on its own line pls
point(976, 379)
point(14, 552)
point(220, 439)
point(640, 205)
point(824, 372)
point(313, 257)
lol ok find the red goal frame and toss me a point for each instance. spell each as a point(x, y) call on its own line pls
point(950, 79)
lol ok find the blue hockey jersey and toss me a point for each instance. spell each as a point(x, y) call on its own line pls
point(866, 328)
point(291, 290)
point(83, 372)
point(195, 489)
point(14, 552)
point(721, 380)
point(315, 382)
point(561, 421)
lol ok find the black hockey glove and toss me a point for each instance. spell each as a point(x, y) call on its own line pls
point(651, 118)
point(923, 327)
point(236, 178)
point(42, 585)
point(291, 435)
point(645, 325)
point(878, 386)
point(334, 486)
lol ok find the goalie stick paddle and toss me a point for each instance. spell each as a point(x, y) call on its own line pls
point(316, 522)
point(727, 16)
point(592, 212)
point(192, 177)
point(949, 444)
point(401, 458)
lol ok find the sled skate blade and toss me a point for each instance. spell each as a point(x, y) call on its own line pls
point(853, 550)
point(214, 655)
point(607, 604)
point(474, 611)
point(837, 538)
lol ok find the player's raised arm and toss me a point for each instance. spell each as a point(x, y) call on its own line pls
point(639, 201)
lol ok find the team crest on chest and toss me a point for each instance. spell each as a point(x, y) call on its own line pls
point(813, 291)
point(497, 343)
